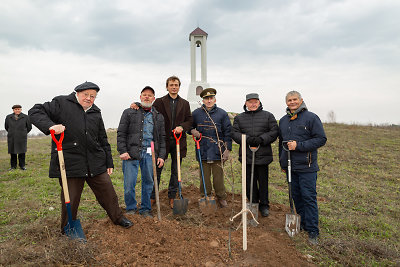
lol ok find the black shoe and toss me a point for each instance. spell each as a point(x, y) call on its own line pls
point(23, 168)
point(11, 169)
point(313, 239)
point(124, 222)
point(264, 212)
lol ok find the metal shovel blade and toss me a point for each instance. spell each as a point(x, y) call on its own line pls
point(292, 225)
point(253, 207)
point(207, 205)
point(74, 230)
point(180, 206)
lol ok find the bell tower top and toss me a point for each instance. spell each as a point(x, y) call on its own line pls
point(198, 32)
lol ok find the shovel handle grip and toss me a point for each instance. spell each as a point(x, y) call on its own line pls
point(176, 137)
point(197, 141)
point(58, 142)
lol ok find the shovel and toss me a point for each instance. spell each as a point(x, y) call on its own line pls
point(73, 229)
point(181, 204)
point(253, 207)
point(153, 157)
point(205, 204)
point(292, 224)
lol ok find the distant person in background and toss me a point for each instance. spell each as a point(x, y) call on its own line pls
point(18, 126)
point(178, 118)
point(86, 150)
point(261, 130)
point(304, 133)
point(136, 130)
point(209, 145)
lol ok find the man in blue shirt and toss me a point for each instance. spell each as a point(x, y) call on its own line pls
point(136, 130)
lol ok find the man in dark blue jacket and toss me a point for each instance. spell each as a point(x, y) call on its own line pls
point(215, 127)
point(304, 134)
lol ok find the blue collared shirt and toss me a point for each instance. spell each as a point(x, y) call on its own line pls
point(148, 126)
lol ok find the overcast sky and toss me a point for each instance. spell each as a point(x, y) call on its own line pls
point(342, 55)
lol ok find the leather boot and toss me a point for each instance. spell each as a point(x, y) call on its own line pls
point(171, 203)
point(152, 202)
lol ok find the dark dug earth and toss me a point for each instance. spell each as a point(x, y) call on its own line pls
point(194, 239)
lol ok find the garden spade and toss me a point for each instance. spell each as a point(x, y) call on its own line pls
point(73, 229)
point(153, 157)
point(292, 224)
point(253, 207)
point(206, 204)
point(181, 204)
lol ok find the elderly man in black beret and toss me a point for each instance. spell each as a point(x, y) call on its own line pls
point(207, 121)
point(18, 125)
point(261, 130)
point(87, 153)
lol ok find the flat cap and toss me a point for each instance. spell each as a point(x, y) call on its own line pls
point(252, 96)
point(85, 86)
point(208, 92)
point(16, 106)
point(148, 88)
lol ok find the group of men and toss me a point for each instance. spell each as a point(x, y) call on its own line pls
point(88, 157)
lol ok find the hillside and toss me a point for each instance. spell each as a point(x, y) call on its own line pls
point(358, 193)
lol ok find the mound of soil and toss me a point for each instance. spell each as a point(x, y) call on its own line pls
point(196, 238)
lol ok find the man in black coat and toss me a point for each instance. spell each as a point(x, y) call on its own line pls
point(136, 130)
point(18, 125)
point(261, 129)
point(87, 153)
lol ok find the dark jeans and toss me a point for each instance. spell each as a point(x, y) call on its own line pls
point(103, 190)
point(21, 159)
point(260, 185)
point(173, 180)
point(304, 191)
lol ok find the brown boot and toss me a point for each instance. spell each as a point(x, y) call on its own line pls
point(171, 203)
point(152, 201)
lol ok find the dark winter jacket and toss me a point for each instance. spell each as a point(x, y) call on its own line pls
point(17, 132)
point(85, 146)
point(258, 123)
point(130, 133)
point(209, 149)
point(183, 118)
point(306, 129)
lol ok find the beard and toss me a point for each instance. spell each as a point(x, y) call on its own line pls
point(146, 105)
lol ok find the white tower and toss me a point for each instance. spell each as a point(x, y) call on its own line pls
point(197, 38)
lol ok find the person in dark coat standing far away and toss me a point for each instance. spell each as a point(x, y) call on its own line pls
point(211, 144)
point(178, 118)
point(87, 153)
point(17, 125)
point(304, 133)
point(136, 130)
point(261, 130)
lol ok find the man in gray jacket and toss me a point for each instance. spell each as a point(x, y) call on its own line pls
point(136, 130)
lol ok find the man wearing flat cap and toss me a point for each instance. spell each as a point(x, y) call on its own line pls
point(86, 150)
point(17, 125)
point(212, 124)
point(261, 130)
point(136, 130)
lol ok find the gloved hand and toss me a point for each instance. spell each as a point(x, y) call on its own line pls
point(195, 133)
point(254, 141)
point(225, 155)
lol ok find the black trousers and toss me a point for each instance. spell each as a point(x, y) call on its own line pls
point(173, 180)
point(102, 188)
point(260, 184)
point(21, 159)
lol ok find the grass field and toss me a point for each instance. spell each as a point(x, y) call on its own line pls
point(358, 193)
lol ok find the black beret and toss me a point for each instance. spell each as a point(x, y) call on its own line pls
point(16, 106)
point(86, 86)
point(208, 92)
